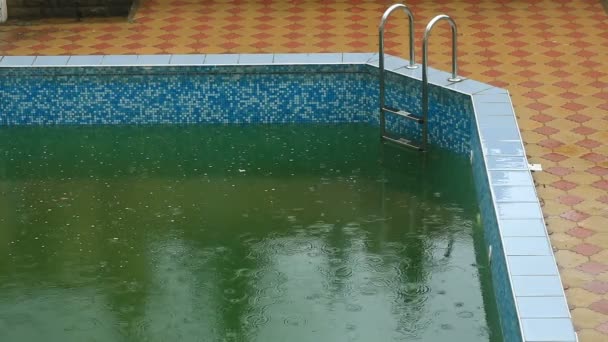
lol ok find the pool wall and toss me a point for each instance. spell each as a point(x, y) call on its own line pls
point(139, 93)
point(469, 117)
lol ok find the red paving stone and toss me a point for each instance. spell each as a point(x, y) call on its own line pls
point(596, 286)
point(574, 215)
point(563, 185)
point(580, 233)
point(570, 200)
point(586, 249)
point(559, 171)
point(600, 306)
point(594, 268)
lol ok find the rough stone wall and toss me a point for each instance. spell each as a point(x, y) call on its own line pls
point(28, 9)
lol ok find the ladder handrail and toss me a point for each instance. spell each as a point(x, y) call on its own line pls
point(383, 21)
point(425, 80)
point(412, 64)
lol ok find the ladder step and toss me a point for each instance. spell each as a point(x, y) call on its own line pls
point(403, 114)
point(402, 142)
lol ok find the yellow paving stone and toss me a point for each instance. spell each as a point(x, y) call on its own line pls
point(569, 149)
point(568, 258)
point(599, 257)
point(567, 137)
point(590, 335)
point(602, 277)
point(594, 208)
point(588, 192)
point(533, 149)
point(557, 224)
point(564, 242)
point(571, 277)
point(587, 318)
point(602, 149)
point(577, 163)
point(545, 178)
point(531, 137)
point(600, 239)
point(554, 208)
point(595, 222)
point(582, 178)
point(581, 297)
point(549, 193)
point(152, 50)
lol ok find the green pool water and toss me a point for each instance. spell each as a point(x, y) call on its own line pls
point(237, 233)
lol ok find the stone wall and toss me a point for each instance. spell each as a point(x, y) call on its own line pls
point(29, 9)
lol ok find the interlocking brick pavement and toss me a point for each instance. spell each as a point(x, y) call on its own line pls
point(550, 54)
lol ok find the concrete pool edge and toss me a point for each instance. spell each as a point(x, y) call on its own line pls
point(533, 279)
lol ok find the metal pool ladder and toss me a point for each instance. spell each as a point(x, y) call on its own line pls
point(422, 120)
point(383, 107)
point(425, 67)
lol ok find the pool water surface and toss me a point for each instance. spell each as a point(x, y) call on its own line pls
point(237, 233)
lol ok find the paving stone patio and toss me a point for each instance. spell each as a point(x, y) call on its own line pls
point(551, 55)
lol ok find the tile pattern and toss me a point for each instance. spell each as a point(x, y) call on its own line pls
point(500, 280)
point(514, 227)
point(243, 92)
point(188, 94)
point(549, 54)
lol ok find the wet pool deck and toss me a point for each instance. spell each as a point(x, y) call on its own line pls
point(551, 55)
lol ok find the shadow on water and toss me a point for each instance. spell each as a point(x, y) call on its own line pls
point(236, 233)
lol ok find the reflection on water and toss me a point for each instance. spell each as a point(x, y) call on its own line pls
point(256, 233)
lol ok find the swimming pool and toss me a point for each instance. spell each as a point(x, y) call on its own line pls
point(470, 119)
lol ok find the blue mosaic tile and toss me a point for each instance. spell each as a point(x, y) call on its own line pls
point(140, 98)
point(449, 119)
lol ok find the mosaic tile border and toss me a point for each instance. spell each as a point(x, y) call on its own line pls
point(531, 299)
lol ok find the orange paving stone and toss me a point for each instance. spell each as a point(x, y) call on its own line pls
point(550, 54)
